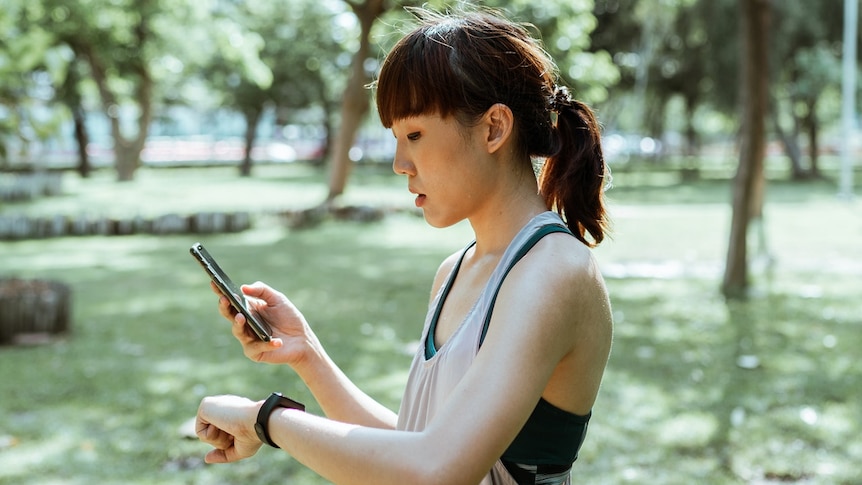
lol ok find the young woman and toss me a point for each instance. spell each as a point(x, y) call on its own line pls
point(519, 326)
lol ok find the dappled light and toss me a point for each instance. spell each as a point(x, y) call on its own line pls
point(763, 389)
point(130, 130)
point(685, 379)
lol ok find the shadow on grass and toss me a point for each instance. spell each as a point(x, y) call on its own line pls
point(147, 344)
point(697, 391)
point(703, 391)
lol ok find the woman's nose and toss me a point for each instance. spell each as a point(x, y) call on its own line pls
point(397, 167)
point(401, 165)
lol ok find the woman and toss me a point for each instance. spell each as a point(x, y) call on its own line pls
point(519, 325)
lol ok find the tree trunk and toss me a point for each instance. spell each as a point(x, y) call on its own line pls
point(789, 141)
point(813, 143)
point(251, 120)
point(355, 103)
point(126, 150)
point(748, 186)
point(127, 158)
point(70, 94)
point(328, 129)
point(692, 141)
point(33, 310)
point(82, 139)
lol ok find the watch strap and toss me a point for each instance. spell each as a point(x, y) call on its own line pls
point(275, 400)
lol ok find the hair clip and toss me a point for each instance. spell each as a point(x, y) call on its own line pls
point(561, 99)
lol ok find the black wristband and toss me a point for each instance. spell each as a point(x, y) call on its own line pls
point(275, 400)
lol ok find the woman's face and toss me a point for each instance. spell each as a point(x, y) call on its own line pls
point(445, 165)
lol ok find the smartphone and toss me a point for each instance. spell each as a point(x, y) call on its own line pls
point(231, 291)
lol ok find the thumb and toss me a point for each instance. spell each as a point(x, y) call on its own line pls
point(216, 456)
point(260, 290)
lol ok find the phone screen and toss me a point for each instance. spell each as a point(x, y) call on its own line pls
point(231, 291)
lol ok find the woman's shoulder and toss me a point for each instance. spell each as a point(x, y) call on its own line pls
point(564, 268)
point(443, 271)
point(447, 265)
point(563, 254)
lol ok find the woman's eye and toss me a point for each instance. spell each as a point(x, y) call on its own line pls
point(413, 136)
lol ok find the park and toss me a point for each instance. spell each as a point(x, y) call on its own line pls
point(712, 379)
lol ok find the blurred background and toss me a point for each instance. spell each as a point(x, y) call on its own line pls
point(129, 129)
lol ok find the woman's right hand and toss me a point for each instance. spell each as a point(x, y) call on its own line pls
point(292, 338)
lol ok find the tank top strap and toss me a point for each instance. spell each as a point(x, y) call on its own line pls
point(541, 232)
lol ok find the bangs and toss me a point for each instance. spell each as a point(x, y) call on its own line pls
point(417, 77)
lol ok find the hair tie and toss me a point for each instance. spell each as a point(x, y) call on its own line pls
point(561, 99)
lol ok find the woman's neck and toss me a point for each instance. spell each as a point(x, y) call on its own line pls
point(504, 216)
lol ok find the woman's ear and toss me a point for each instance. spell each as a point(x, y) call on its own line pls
point(500, 123)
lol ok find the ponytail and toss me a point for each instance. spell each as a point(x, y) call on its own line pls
point(575, 176)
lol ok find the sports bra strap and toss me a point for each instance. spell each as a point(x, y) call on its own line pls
point(522, 251)
point(430, 345)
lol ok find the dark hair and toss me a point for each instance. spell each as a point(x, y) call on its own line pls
point(462, 64)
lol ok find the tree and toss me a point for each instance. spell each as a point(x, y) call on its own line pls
point(691, 63)
point(563, 25)
point(69, 93)
point(749, 183)
point(355, 101)
point(114, 38)
point(233, 68)
point(125, 45)
point(294, 45)
point(30, 64)
point(806, 66)
point(658, 47)
point(305, 64)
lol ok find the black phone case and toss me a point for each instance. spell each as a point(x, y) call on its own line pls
point(231, 291)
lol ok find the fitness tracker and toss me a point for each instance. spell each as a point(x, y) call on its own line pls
point(275, 400)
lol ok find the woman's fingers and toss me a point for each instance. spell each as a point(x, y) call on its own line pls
point(212, 435)
point(241, 331)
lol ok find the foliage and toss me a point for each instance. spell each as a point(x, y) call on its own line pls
point(667, 49)
point(294, 50)
point(807, 71)
point(293, 62)
point(29, 65)
point(651, 67)
point(565, 28)
point(118, 42)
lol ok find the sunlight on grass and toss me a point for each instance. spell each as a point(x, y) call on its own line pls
point(687, 430)
point(105, 404)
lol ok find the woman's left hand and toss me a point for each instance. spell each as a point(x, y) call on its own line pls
point(227, 423)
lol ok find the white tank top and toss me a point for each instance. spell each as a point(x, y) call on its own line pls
point(431, 381)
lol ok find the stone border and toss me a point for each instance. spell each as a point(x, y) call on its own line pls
point(23, 227)
point(30, 186)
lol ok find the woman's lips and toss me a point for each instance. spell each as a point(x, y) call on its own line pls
point(420, 197)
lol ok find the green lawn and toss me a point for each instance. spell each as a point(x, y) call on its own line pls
point(697, 390)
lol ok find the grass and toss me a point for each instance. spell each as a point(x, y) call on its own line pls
point(698, 390)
